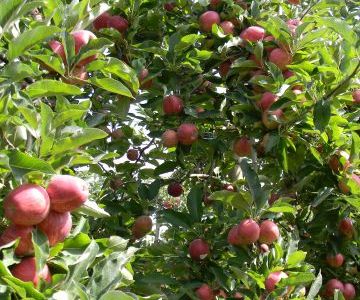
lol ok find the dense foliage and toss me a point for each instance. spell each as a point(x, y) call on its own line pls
point(219, 141)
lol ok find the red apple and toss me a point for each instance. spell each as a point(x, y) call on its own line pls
point(204, 292)
point(269, 232)
point(172, 105)
point(199, 249)
point(280, 58)
point(144, 82)
point(25, 246)
point(273, 279)
point(273, 198)
point(331, 286)
point(141, 227)
point(132, 154)
point(356, 96)
point(335, 261)
point(26, 271)
point(227, 27)
point(245, 233)
point(116, 183)
point(267, 99)
point(272, 123)
point(287, 74)
point(58, 49)
point(169, 138)
point(67, 192)
point(175, 189)
point(187, 134)
point(253, 34)
point(208, 19)
point(242, 147)
point(56, 226)
point(117, 134)
point(294, 22)
point(295, 2)
point(215, 3)
point(229, 187)
point(26, 205)
point(102, 21)
point(349, 291)
point(118, 23)
point(82, 38)
point(264, 248)
point(169, 6)
point(346, 227)
point(224, 68)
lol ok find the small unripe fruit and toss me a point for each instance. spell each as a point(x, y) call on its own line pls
point(13, 232)
point(227, 27)
point(280, 58)
point(56, 226)
point(26, 271)
point(199, 249)
point(331, 286)
point(26, 205)
point(169, 138)
point(172, 105)
point(267, 99)
point(67, 192)
point(143, 75)
point(356, 96)
point(273, 279)
point(132, 154)
point(208, 19)
point(269, 232)
point(141, 227)
point(224, 68)
point(349, 291)
point(253, 34)
point(245, 233)
point(346, 227)
point(187, 134)
point(335, 261)
point(204, 292)
point(242, 147)
point(175, 189)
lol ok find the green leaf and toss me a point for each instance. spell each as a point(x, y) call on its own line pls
point(177, 218)
point(30, 38)
point(282, 207)
point(46, 129)
point(17, 71)
point(8, 7)
point(69, 115)
point(296, 258)
point(91, 208)
point(48, 87)
point(340, 27)
point(194, 203)
point(322, 195)
point(112, 85)
point(322, 112)
point(167, 166)
point(116, 295)
point(239, 200)
point(41, 248)
point(297, 279)
point(315, 287)
point(25, 290)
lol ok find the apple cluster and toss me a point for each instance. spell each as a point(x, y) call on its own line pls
point(31, 205)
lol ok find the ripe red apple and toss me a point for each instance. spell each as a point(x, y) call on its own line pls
point(356, 96)
point(267, 99)
point(169, 6)
point(204, 292)
point(280, 58)
point(273, 279)
point(141, 227)
point(269, 232)
point(169, 138)
point(58, 49)
point(172, 105)
point(187, 134)
point(295, 2)
point(346, 227)
point(144, 83)
point(253, 34)
point(25, 246)
point(199, 249)
point(272, 123)
point(264, 248)
point(82, 38)
point(132, 154)
point(229, 187)
point(242, 147)
point(331, 286)
point(175, 189)
point(343, 186)
point(335, 261)
point(118, 23)
point(271, 46)
point(349, 291)
point(26, 205)
point(56, 226)
point(208, 19)
point(245, 233)
point(287, 74)
point(224, 68)
point(228, 27)
point(102, 21)
point(67, 192)
point(273, 198)
point(26, 271)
